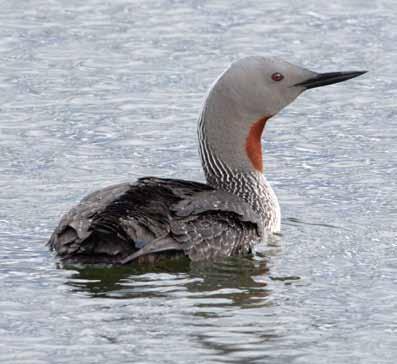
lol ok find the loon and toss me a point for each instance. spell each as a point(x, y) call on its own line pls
point(158, 218)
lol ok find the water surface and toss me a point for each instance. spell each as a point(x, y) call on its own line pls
point(94, 93)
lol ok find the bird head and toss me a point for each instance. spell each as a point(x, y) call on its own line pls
point(245, 96)
point(262, 86)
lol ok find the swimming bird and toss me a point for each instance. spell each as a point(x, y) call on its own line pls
point(156, 218)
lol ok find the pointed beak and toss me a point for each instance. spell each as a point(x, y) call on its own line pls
point(323, 79)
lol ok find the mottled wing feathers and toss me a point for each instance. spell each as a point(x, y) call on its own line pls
point(213, 234)
point(217, 200)
point(124, 222)
point(74, 226)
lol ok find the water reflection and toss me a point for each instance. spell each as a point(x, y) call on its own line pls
point(221, 304)
point(107, 281)
point(243, 281)
point(295, 221)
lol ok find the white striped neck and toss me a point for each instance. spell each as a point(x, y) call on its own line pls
point(243, 181)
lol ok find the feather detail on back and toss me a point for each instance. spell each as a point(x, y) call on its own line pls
point(153, 217)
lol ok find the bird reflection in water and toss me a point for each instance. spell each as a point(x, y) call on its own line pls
point(239, 280)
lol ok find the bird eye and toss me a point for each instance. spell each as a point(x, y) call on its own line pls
point(277, 76)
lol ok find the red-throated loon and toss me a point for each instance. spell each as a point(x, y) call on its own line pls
point(155, 218)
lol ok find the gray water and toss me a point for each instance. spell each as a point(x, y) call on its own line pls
point(98, 92)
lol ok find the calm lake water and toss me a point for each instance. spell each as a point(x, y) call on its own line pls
point(98, 92)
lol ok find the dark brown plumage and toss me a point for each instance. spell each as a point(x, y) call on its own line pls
point(155, 218)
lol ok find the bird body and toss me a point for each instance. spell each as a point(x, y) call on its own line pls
point(157, 218)
point(154, 215)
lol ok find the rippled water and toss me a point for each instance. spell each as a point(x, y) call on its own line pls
point(95, 92)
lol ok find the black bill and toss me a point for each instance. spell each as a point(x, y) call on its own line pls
point(323, 79)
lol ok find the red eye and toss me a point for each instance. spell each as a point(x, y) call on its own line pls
point(277, 76)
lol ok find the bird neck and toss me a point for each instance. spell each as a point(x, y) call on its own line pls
point(232, 161)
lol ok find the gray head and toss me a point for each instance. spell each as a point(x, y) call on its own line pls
point(262, 86)
point(249, 92)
